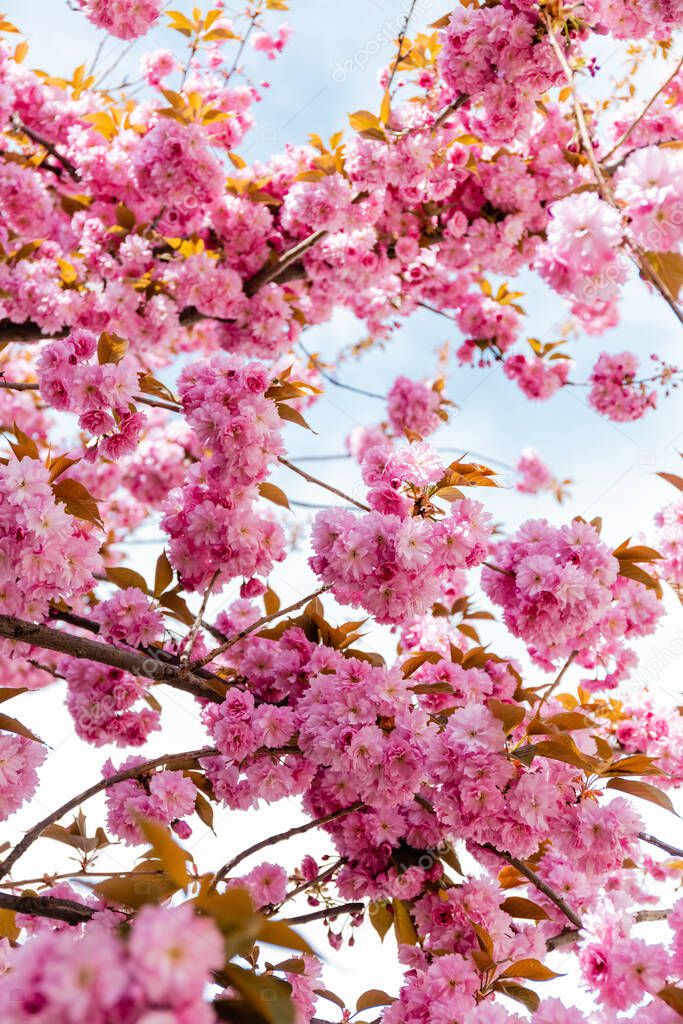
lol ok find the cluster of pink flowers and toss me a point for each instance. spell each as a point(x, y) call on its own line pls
point(415, 406)
point(581, 257)
point(158, 973)
point(211, 519)
point(389, 562)
point(498, 56)
point(649, 728)
point(615, 392)
point(649, 185)
point(538, 378)
point(272, 43)
point(561, 593)
point(669, 520)
point(157, 65)
point(627, 20)
point(553, 584)
point(73, 380)
point(101, 702)
point(534, 474)
point(45, 553)
point(177, 176)
point(126, 19)
point(19, 759)
point(165, 796)
point(127, 223)
point(621, 969)
point(266, 884)
point(128, 618)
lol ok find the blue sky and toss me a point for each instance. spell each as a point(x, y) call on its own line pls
point(329, 68)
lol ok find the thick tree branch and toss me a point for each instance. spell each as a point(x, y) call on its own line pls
point(47, 906)
point(146, 665)
point(274, 271)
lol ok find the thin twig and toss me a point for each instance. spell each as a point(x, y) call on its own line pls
point(667, 847)
point(243, 43)
point(327, 914)
point(319, 879)
point(192, 635)
point(450, 109)
point(320, 483)
point(537, 882)
point(634, 124)
point(105, 783)
point(556, 683)
point(497, 568)
point(68, 166)
point(400, 41)
point(297, 830)
point(231, 641)
point(315, 362)
point(639, 256)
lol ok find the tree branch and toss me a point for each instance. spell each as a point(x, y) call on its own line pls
point(47, 906)
point(639, 256)
point(68, 166)
point(320, 483)
point(157, 403)
point(324, 915)
point(105, 783)
point(231, 641)
point(537, 882)
point(147, 666)
point(653, 841)
point(273, 271)
point(634, 124)
point(297, 830)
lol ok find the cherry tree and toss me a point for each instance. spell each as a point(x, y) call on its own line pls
point(155, 293)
